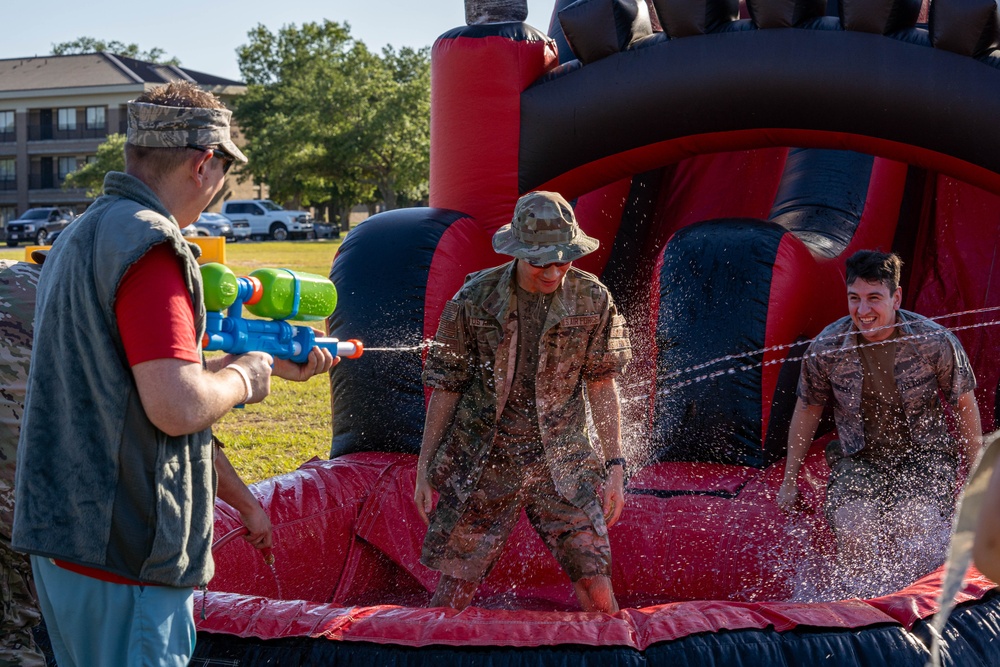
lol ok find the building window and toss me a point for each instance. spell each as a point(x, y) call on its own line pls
point(67, 119)
point(8, 177)
point(67, 165)
point(91, 159)
point(7, 213)
point(95, 118)
point(6, 122)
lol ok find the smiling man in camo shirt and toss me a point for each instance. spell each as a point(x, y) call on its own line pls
point(895, 467)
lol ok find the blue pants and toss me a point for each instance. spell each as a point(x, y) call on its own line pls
point(93, 622)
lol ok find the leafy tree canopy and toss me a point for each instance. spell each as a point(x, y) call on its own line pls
point(329, 121)
point(110, 157)
point(92, 45)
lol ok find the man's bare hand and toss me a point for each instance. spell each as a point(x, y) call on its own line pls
point(424, 498)
point(258, 525)
point(320, 360)
point(787, 495)
point(258, 369)
point(614, 495)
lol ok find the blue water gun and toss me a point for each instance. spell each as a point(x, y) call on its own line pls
point(276, 295)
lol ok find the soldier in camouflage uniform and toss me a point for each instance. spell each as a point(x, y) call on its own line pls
point(18, 606)
point(895, 468)
point(524, 347)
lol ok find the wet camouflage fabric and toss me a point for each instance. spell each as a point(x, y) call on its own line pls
point(584, 339)
point(159, 126)
point(881, 403)
point(856, 478)
point(517, 429)
point(576, 536)
point(18, 607)
point(543, 230)
point(832, 371)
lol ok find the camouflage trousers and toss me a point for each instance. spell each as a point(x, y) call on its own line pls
point(575, 532)
point(18, 608)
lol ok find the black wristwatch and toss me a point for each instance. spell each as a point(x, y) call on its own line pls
point(618, 461)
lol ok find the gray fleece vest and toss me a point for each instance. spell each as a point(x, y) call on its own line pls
point(97, 483)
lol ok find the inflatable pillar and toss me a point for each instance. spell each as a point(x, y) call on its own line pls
point(477, 75)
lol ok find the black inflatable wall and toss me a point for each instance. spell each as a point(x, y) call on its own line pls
point(715, 288)
point(822, 196)
point(381, 278)
point(764, 97)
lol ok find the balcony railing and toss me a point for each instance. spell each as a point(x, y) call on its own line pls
point(38, 132)
point(8, 184)
point(7, 137)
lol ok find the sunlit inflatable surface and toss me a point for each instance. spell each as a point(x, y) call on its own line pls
point(725, 250)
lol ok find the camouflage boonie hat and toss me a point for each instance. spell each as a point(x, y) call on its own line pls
point(159, 126)
point(543, 230)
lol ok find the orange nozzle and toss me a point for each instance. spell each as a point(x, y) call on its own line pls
point(258, 291)
point(359, 348)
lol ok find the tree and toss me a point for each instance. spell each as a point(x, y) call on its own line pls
point(387, 134)
point(92, 45)
point(110, 157)
point(330, 122)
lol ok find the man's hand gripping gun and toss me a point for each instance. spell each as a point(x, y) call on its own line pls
point(277, 294)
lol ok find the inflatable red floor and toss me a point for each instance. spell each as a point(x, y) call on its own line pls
point(702, 551)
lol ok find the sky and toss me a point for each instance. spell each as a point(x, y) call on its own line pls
point(205, 35)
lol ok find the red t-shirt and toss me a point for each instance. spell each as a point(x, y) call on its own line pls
point(154, 311)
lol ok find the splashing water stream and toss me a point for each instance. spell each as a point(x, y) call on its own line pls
point(760, 364)
point(424, 345)
point(786, 346)
point(808, 578)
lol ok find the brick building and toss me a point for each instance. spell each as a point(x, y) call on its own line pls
point(56, 110)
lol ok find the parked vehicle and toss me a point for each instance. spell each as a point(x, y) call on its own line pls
point(326, 230)
point(268, 219)
point(216, 224)
point(36, 225)
point(241, 228)
point(191, 231)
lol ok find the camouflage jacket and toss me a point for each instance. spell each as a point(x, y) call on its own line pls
point(930, 362)
point(583, 340)
point(18, 281)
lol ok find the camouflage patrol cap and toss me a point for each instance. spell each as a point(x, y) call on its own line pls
point(159, 126)
point(543, 230)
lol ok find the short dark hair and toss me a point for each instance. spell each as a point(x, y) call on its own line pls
point(874, 266)
point(176, 94)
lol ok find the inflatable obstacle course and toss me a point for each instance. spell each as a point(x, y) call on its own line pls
point(725, 249)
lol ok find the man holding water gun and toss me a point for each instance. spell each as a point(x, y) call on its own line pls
point(117, 468)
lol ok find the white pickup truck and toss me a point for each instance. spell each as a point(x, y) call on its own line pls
point(268, 219)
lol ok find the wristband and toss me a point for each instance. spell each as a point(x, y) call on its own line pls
point(246, 381)
point(617, 461)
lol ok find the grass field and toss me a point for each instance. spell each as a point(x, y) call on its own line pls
point(293, 424)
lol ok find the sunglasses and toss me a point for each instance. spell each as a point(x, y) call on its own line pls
point(227, 159)
point(558, 265)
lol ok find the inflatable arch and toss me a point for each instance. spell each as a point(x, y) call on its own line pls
point(725, 249)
